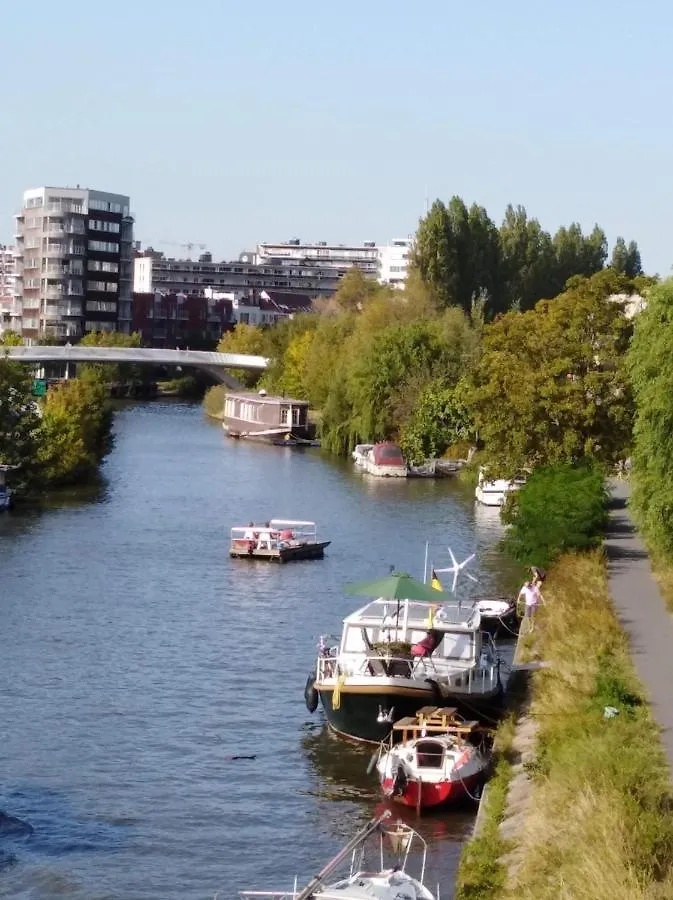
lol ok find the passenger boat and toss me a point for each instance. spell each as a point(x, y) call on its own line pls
point(279, 540)
point(375, 873)
point(435, 763)
point(262, 417)
point(385, 460)
point(394, 657)
point(494, 493)
point(5, 491)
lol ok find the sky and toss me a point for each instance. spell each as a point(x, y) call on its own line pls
point(231, 123)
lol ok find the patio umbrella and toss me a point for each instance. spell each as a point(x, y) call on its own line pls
point(399, 586)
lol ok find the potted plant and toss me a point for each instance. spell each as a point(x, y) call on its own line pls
point(397, 653)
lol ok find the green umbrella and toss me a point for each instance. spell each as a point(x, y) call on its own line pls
point(399, 586)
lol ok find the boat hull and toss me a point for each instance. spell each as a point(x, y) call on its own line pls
point(433, 794)
point(358, 712)
point(314, 550)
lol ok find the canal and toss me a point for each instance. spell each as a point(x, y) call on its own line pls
point(138, 659)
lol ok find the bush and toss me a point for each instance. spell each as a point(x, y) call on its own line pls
point(561, 507)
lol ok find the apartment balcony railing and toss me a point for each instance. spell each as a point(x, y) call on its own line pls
point(55, 250)
point(59, 209)
point(75, 290)
point(31, 264)
point(75, 228)
point(55, 270)
point(54, 293)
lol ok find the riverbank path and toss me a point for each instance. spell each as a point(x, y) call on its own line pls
point(641, 610)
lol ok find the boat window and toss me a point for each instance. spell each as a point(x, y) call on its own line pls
point(354, 641)
point(429, 755)
point(457, 646)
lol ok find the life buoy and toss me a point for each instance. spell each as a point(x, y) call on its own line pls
point(311, 696)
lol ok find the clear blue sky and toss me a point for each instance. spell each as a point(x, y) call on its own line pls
point(230, 123)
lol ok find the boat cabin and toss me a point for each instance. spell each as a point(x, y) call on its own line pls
point(250, 414)
point(387, 454)
point(446, 632)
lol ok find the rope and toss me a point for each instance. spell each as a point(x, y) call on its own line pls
point(336, 696)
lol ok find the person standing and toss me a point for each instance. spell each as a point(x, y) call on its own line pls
point(532, 597)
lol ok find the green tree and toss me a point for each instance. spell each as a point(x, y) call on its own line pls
point(651, 373)
point(439, 419)
point(112, 372)
point(434, 253)
point(245, 339)
point(19, 421)
point(355, 290)
point(550, 385)
point(528, 259)
point(11, 339)
point(626, 259)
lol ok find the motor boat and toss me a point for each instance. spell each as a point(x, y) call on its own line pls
point(434, 765)
point(498, 614)
point(494, 493)
point(360, 454)
point(381, 875)
point(394, 657)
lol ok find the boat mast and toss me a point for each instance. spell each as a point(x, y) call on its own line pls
point(361, 836)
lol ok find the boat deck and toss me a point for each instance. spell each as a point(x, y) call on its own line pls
point(433, 720)
point(309, 550)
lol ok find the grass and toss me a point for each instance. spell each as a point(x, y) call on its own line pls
point(600, 826)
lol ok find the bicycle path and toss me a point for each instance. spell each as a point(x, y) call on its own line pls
point(641, 611)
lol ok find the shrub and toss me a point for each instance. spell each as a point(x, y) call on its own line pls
point(561, 507)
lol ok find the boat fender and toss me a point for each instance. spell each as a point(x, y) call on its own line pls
point(310, 694)
point(400, 780)
point(372, 762)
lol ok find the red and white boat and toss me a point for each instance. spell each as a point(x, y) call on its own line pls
point(431, 769)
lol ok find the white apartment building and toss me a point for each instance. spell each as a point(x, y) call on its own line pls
point(10, 309)
point(73, 262)
point(394, 262)
point(339, 257)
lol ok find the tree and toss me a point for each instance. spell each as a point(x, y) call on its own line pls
point(11, 339)
point(626, 259)
point(527, 258)
point(438, 420)
point(19, 421)
point(649, 361)
point(112, 372)
point(245, 339)
point(355, 290)
point(550, 385)
point(434, 253)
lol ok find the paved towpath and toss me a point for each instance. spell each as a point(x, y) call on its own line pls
point(642, 611)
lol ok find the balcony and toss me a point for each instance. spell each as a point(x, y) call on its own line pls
point(75, 290)
point(76, 250)
point(55, 250)
point(70, 309)
point(54, 293)
point(31, 264)
point(55, 271)
point(66, 206)
point(58, 230)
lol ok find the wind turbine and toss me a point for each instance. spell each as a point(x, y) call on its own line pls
point(456, 568)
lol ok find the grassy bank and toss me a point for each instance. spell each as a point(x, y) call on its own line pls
point(599, 824)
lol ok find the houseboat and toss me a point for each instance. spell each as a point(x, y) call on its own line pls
point(279, 540)
point(263, 417)
point(494, 493)
point(394, 657)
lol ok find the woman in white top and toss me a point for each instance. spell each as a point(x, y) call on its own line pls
point(532, 596)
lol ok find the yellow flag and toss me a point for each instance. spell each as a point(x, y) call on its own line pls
point(436, 583)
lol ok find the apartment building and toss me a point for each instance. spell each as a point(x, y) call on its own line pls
point(10, 314)
point(155, 272)
point(394, 262)
point(181, 320)
point(321, 254)
point(73, 262)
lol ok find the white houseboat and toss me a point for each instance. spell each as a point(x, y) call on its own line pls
point(257, 415)
point(394, 657)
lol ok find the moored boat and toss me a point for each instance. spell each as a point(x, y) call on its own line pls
point(394, 657)
point(494, 493)
point(385, 460)
point(375, 873)
point(435, 764)
point(498, 614)
point(360, 454)
point(279, 540)
point(260, 416)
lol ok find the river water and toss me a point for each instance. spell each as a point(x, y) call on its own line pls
point(137, 659)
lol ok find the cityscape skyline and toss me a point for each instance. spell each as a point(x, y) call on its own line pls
point(229, 129)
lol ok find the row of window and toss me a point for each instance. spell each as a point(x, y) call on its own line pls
point(100, 225)
point(105, 306)
point(104, 246)
point(109, 286)
point(97, 265)
point(106, 206)
point(97, 325)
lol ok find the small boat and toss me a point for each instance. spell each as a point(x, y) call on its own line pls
point(385, 460)
point(279, 540)
point(498, 614)
point(435, 763)
point(494, 493)
point(5, 492)
point(360, 454)
point(376, 873)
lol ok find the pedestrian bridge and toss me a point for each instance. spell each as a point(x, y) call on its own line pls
point(215, 364)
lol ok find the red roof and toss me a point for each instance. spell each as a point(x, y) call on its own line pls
point(388, 454)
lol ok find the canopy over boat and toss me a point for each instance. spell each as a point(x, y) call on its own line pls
point(400, 586)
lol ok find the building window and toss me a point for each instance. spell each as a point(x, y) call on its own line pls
point(105, 306)
point(244, 318)
point(103, 247)
point(109, 286)
point(99, 225)
point(94, 325)
point(97, 265)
